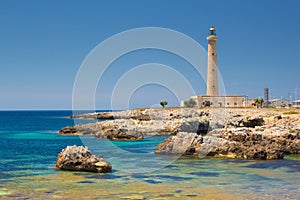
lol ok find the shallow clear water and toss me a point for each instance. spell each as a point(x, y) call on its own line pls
point(29, 144)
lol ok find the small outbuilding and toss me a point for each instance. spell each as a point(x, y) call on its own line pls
point(296, 104)
point(278, 103)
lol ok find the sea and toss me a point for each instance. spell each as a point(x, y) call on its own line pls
point(30, 143)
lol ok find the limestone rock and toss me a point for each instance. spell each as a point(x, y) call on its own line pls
point(113, 131)
point(79, 158)
point(179, 144)
point(103, 130)
point(241, 143)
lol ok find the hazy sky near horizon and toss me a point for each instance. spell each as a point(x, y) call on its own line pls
point(43, 44)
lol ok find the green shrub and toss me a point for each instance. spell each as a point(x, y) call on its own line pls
point(163, 103)
point(190, 103)
point(292, 130)
point(291, 113)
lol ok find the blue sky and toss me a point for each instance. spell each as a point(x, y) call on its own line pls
point(43, 44)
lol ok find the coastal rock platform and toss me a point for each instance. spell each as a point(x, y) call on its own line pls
point(243, 133)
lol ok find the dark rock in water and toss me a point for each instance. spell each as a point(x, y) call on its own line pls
point(208, 174)
point(178, 191)
point(68, 130)
point(87, 182)
point(79, 158)
point(152, 181)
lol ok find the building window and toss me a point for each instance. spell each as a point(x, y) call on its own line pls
point(235, 103)
point(213, 54)
point(227, 104)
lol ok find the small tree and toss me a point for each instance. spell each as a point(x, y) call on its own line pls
point(259, 102)
point(190, 103)
point(163, 103)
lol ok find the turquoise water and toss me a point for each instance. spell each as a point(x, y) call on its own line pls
point(29, 145)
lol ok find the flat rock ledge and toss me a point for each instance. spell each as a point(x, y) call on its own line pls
point(79, 158)
point(135, 124)
point(107, 130)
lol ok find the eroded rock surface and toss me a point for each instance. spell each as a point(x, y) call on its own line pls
point(242, 143)
point(134, 124)
point(79, 158)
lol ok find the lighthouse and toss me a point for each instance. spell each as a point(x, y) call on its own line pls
point(212, 66)
point(212, 97)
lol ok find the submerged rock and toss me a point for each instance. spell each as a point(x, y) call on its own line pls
point(79, 158)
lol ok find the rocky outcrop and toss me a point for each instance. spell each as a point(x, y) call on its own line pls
point(247, 134)
point(240, 121)
point(79, 158)
point(134, 124)
point(103, 130)
point(242, 143)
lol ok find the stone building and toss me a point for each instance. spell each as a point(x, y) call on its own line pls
point(220, 101)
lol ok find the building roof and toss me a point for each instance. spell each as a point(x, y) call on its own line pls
point(222, 96)
point(271, 100)
point(297, 101)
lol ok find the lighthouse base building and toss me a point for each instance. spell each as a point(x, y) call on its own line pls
point(220, 101)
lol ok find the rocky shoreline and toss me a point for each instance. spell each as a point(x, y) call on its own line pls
point(227, 133)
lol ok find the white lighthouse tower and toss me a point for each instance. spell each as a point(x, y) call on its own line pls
point(212, 66)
